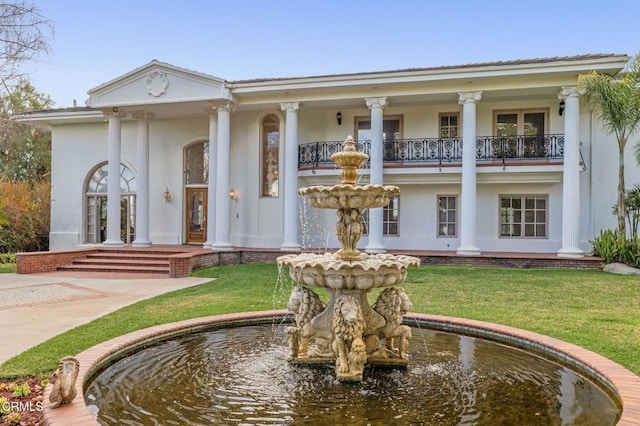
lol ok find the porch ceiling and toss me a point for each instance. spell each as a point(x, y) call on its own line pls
point(504, 88)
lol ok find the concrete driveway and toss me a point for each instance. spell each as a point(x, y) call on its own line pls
point(35, 308)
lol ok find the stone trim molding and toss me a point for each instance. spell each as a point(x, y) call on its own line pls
point(620, 381)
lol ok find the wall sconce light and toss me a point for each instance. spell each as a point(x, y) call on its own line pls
point(233, 194)
point(167, 195)
point(339, 118)
point(561, 108)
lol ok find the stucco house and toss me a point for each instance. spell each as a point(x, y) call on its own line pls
point(502, 156)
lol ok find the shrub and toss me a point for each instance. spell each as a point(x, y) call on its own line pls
point(7, 258)
point(26, 206)
point(630, 252)
point(613, 248)
point(606, 246)
point(21, 391)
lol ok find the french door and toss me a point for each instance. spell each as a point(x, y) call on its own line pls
point(522, 133)
point(196, 215)
point(97, 218)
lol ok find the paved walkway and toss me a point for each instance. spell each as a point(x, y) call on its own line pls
point(34, 308)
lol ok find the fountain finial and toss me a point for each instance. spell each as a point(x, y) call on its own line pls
point(349, 159)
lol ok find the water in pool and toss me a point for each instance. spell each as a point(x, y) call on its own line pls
point(241, 376)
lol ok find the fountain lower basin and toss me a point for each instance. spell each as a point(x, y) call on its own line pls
point(620, 384)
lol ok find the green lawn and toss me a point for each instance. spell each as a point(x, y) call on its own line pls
point(592, 309)
point(7, 268)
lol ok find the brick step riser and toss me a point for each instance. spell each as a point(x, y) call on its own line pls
point(126, 256)
point(120, 262)
point(112, 269)
point(135, 252)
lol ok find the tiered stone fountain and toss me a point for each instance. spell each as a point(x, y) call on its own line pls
point(349, 330)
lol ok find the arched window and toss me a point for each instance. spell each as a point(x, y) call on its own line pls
point(96, 204)
point(197, 163)
point(270, 141)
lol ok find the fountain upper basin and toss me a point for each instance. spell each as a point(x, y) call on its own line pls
point(347, 196)
point(328, 271)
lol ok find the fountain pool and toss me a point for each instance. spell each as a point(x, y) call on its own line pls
point(240, 376)
point(620, 385)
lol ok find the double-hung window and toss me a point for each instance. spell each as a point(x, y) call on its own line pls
point(447, 215)
point(449, 125)
point(390, 218)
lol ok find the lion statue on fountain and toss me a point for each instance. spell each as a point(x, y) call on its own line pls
point(348, 345)
point(392, 304)
point(305, 304)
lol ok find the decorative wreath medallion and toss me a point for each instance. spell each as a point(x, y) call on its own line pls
point(157, 83)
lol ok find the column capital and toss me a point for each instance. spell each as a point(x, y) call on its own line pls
point(290, 106)
point(469, 97)
point(114, 112)
point(143, 115)
point(569, 92)
point(222, 106)
point(376, 102)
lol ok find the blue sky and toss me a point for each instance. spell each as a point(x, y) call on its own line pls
point(96, 41)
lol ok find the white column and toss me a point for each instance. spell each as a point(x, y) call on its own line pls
point(290, 181)
point(142, 181)
point(211, 189)
point(113, 185)
point(571, 175)
point(222, 177)
point(468, 190)
point(469, 396)
point(376, 174)
point(570, 409)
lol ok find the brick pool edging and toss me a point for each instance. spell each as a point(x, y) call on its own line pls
point(621, 381)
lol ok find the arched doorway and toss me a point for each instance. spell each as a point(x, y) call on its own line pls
point(196, 159)
point(96, 205)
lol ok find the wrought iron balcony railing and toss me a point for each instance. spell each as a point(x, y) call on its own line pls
point(433, 151)
point(508, 148)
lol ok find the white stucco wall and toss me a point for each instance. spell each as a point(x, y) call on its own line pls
point(70, 163)
point(257, 221)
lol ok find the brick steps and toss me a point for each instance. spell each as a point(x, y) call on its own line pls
point(121, 261)
point(126, 258)
point(116, 268)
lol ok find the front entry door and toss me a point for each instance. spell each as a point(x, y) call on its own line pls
point(196, 215)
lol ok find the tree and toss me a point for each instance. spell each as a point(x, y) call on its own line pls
point(632, 209)
point(4, 219)
point(23, 36)
point(616, 101)
point(25, 151)
point(26, 206)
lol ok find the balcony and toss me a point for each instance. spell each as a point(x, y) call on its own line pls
point(442, 152)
